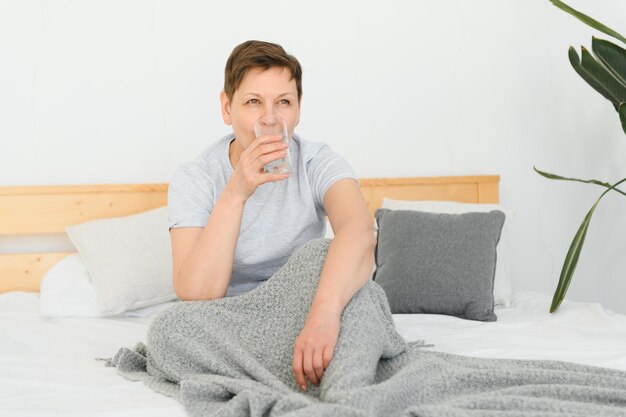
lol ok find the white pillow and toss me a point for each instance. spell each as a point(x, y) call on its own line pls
point(329, 230)
point(502, 280)
point(67, 291)
point(129, 259)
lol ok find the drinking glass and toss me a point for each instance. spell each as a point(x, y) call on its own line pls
point(273, 125)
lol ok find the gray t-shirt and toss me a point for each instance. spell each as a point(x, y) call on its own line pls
point(277, 219)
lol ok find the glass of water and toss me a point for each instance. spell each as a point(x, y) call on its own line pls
point(273, 125)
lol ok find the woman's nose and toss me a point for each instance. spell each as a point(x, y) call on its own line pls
point(268, 110)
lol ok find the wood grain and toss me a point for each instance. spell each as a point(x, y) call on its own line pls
point(28, 210)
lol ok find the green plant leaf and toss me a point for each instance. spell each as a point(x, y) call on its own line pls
point(622, 115)
point(612, 56)
point(573, 253)
point(558, 177)
point(589, 21)
point(591, 80)
point(597, 71)
point(571, 260)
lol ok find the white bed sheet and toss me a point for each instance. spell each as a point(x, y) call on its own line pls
point(47, 366)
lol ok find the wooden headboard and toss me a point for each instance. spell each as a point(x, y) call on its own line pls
point(27, 210)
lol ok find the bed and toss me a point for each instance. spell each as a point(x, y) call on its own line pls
point(48, 366)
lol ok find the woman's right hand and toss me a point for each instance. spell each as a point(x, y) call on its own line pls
point(249, 173)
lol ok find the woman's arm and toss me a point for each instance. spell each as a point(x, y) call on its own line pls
point(349, 265)
point(203, 272)
point(203, 265)
point(350, 258)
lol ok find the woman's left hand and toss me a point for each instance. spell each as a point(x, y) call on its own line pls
point(314, 347)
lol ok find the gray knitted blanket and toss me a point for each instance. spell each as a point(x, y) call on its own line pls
point(233, 356)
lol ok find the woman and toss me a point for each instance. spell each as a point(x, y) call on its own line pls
point(232, 225)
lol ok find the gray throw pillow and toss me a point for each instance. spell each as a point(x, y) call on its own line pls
point(438, 263)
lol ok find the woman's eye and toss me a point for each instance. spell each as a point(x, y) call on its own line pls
point(253, 101)
point(284, 101)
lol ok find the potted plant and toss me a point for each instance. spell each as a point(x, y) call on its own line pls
point(604, 68)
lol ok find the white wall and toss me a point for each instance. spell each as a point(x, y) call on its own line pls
point(125, 91)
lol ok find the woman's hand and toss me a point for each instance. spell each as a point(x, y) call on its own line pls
point(249, 174)
point(314, 347)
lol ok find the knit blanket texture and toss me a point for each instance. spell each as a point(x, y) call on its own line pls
point(233, 357)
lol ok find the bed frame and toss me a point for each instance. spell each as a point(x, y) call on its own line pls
point(27, 210)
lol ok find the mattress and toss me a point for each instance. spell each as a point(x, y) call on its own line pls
point(48, 366)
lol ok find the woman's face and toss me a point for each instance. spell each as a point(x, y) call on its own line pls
point(261, 92)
